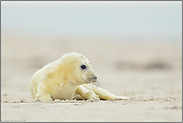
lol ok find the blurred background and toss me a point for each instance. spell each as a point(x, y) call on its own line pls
point(134, 47)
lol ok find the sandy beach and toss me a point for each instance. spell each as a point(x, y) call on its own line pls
point(148, 72)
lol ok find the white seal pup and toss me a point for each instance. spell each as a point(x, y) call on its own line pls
point(67, 78)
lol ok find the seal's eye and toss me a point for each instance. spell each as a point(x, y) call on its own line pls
point(83, 66)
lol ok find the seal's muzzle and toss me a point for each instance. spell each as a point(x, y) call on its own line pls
point(91, 78)
point(94, 78)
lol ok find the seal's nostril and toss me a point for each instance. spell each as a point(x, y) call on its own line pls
point(95, 77)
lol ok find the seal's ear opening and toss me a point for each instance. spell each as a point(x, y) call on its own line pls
point(75, 61)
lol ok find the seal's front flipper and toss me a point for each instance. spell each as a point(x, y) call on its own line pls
point(103, 94)
point(85, 93)
point(77, 96)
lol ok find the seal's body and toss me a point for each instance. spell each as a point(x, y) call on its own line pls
point(67, 78)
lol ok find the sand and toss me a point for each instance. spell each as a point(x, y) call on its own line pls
point(148, 72)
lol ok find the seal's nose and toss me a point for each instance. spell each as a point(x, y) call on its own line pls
point(94, 78)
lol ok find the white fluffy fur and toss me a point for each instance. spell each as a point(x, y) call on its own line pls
point(64, 79)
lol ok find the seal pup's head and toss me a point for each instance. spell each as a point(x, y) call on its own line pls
point(79, 68)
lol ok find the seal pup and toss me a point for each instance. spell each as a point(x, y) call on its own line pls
point(67, 78)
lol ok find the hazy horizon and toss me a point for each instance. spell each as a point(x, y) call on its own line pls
point(115, 19)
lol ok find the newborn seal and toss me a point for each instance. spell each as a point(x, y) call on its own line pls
point(67, 78)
